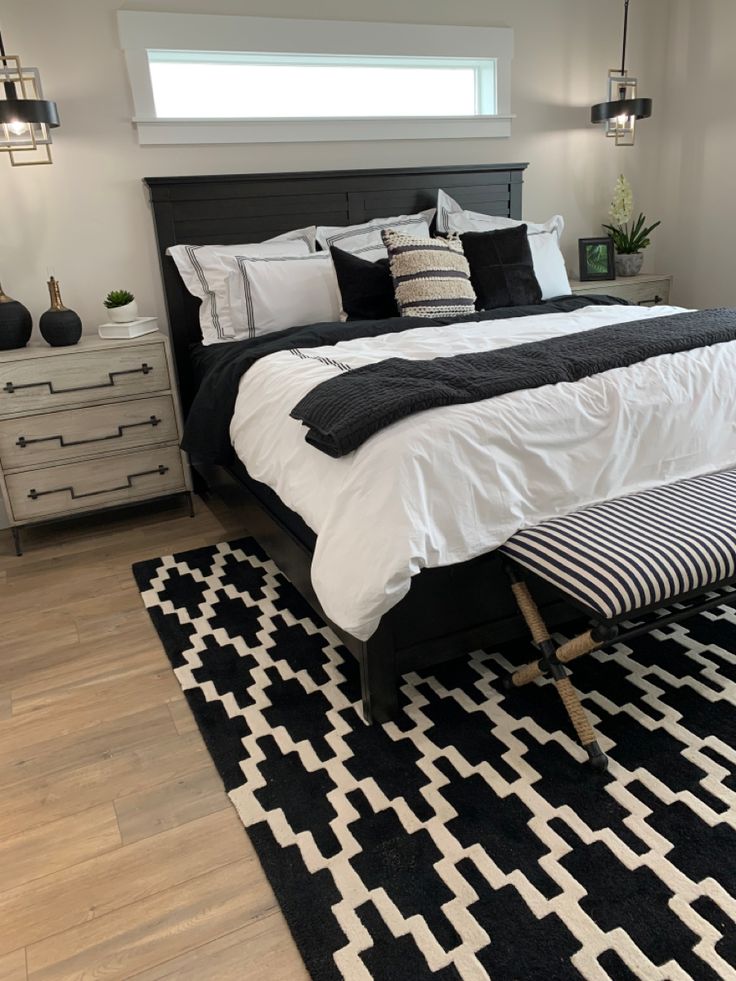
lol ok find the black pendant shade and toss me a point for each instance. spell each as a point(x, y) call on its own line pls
point(603, 111)
point(29, 111)
point(623, 107)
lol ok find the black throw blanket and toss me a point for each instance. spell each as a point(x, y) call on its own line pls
point(343, 412)
point(219, 367)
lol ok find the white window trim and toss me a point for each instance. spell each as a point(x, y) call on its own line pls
point(141, 31)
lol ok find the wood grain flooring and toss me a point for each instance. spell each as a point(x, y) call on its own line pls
point(120, 854)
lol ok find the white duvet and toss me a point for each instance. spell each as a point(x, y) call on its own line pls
point(450, 483)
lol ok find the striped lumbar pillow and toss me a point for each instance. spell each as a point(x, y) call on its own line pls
point(431, 276)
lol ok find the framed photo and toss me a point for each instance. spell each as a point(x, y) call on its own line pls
point(596, 258)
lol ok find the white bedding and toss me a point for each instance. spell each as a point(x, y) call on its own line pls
point(450, 483)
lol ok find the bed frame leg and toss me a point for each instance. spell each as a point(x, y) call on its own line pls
point(199, 484)
point(378, 679)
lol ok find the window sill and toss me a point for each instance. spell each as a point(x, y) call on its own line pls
point(210, 131)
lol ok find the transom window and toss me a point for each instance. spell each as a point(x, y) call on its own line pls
point(201, 78)
point(213, 85)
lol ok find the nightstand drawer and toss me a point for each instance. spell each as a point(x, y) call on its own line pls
point(646, 289)
point(39, 384)
point(96, 483)
point(645, 294)
point(72, 434)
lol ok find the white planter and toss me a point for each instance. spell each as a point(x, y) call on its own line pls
point(123, 315)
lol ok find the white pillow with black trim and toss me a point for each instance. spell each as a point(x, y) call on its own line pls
point(270, 293)
point(205, 276)
point(544, 240)
point(365, 240)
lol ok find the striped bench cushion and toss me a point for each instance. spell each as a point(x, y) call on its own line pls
point(623, 555)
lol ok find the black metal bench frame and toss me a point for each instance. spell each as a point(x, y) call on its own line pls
point(555, 657)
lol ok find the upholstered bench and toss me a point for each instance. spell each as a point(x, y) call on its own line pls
point(621, 559)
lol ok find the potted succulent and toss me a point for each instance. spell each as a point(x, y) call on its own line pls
point(121, 306)
point(629, 237)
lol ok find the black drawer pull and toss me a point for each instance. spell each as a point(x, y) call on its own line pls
point(34, 494)
point(653, 301)
point(144, 369)
point(22, 442)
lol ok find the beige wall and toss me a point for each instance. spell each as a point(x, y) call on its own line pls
point(87, 216)
point(694, 190)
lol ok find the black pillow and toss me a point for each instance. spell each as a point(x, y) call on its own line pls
point(366, 287)
point(501, 268)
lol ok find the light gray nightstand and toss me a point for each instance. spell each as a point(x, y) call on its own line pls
point(647, 289)
point(88, 427)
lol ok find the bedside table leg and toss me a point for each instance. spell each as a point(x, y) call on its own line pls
point(17, 541)
point(190, 498)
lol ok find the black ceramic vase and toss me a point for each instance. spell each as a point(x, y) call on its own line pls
point(59, 326)
point(15, 323)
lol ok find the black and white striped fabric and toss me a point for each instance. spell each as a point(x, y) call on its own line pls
point(624, 555)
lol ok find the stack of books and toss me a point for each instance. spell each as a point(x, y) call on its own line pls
point(133, 328)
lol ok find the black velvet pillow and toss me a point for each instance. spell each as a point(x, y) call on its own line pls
point(366, 287)
point(501, 268)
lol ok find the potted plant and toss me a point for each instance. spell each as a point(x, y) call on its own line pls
point(121, 306)
point(629, 237)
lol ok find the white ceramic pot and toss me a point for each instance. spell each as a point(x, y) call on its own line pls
point(123, 315)
point(629, 264)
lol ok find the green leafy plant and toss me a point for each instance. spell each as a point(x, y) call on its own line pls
point(631, 239)
point(118, 298)
point(628, 236)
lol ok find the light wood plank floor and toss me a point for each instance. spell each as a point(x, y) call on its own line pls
point(120, 854)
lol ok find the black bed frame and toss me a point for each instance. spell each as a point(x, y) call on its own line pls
point(448, 611)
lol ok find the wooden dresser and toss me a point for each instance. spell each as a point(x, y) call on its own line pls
point(646, 289)
point(88, 427)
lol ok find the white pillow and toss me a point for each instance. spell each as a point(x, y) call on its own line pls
point(205, 276)
point(269, 293)
point(544, 240)
point(365, 240)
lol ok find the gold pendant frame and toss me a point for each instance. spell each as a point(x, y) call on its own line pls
point(38, 138)
point(621, 128)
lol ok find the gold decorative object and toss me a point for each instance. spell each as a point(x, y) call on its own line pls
point(59, 325)
point(55, 295)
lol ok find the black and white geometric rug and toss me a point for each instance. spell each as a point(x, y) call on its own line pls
point(462, 840)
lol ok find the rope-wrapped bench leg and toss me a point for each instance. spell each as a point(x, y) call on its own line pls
point(530, 672)
point(580, 721)
point(538, 630)
point(553, 662)
point(582, 644)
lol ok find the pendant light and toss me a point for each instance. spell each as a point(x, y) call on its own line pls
point(623, 108)
point(26, 118)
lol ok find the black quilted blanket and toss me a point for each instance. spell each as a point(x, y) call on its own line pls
point(342, 413)
point(219, 367)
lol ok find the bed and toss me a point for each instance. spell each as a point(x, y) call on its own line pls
point(449, 610)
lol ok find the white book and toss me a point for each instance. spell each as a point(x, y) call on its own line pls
point(134, 328)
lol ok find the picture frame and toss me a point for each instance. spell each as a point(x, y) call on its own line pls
point(596, 258)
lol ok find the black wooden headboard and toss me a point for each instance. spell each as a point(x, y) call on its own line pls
point(231, 208)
